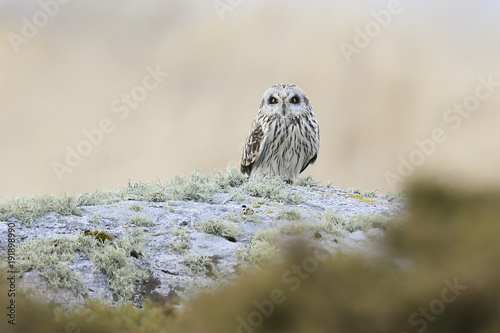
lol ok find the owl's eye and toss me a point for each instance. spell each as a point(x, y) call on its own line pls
point(294, 100)
point(273, 100)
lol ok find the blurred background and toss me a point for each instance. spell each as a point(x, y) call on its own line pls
point(80, 109)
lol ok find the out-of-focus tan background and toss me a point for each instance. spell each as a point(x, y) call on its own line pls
point(65, 67)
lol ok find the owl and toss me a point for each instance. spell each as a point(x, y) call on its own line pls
point(284, 137)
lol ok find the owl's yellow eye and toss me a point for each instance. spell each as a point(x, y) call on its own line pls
point(294, 100)
point(273, 100)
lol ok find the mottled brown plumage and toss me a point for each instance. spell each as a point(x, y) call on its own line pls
point(284, 137)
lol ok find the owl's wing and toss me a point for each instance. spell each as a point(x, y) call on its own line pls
point(315, 145)
point(311, 161)
point(252, 147)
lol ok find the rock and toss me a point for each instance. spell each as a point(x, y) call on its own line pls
point(164, 251)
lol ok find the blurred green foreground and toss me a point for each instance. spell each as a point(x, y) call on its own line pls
point(441, 274)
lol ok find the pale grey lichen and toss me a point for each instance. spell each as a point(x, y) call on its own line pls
point(51, 258)
point(197, 264)
point(141, 220)
point(272, 188)
point(135, 207)
point(219, 227)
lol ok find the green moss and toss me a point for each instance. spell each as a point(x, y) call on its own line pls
point(219, 227)
point(101, 236)
point(141, 220)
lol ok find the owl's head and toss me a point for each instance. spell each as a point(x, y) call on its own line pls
point(285, 100)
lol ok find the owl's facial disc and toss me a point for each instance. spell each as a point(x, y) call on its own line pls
point(292, 105)
point(284, 110)
point(285, 102)
point(278, 105)
point(273, 100)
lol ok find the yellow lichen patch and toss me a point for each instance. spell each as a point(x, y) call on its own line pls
point(361, 198)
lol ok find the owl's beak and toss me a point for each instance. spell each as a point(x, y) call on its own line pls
point(283, 109)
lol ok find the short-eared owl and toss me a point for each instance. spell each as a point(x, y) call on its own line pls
point(284, 138)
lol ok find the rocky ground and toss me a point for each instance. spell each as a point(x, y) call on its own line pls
point(130, 250)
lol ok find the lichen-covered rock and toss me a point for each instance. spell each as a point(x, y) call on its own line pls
point(192, 232)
